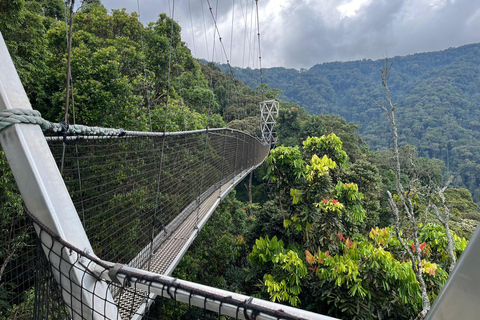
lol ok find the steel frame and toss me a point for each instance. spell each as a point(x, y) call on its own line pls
point(46, 196)
point(269, 111)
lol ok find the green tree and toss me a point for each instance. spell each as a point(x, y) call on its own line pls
point(314, 207)
point(285, 269)
point(14, 239)
point(368, 278)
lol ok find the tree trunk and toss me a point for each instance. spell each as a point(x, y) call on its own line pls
point(69, 56)
point(405, 202)
point(250, 200)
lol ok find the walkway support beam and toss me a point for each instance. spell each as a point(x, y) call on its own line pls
point(46, 196)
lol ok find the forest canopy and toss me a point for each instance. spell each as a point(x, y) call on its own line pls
point(318, 233)
point(438, 93)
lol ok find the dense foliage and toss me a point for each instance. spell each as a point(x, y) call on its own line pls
point(323, 240)
point(313, 245)
point(118, 80)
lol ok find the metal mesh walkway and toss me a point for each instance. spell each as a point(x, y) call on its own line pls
point(134, 198)
point(175, 244)
point(131, 193)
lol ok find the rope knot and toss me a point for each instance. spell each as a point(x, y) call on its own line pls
point(14, 116)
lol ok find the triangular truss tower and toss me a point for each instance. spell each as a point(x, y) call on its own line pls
point(269, 111)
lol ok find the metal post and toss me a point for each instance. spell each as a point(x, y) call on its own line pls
point(46, 196)
point(235, 171)
point(458, 298)
point(222, 177)
point(243, 155)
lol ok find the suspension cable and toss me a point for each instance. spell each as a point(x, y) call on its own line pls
point(169, 64)
point(191, 25)
point(231, 32)
point(67, 83)
point(69, 55)
point(145, 83)
point(259, 50)
point(162, 153)
point(244, 30)
point(250, 51)
point(205, 31)
point(218, 32)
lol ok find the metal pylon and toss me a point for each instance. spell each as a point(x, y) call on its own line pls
point(269, 111)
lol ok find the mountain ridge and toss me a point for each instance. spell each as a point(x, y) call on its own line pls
point(437, 95)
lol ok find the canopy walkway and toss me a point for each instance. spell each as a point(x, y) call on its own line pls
point(114, 211)
point(137, 199)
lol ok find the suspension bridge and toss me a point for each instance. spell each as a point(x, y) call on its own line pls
point(114, 211)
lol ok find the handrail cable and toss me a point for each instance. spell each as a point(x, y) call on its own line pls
point(123, 276)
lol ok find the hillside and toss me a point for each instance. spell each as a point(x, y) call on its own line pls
point(322, 238)
point(437, 95)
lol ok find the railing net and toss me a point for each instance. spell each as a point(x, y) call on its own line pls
point(129, 190)
point(131, 194)
point(128, 281)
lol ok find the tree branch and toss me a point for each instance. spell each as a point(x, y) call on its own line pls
point(405, 200)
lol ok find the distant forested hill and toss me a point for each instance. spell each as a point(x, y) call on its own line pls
point(438, 96)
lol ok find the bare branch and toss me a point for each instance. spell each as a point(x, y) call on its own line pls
point(405, 201)
point(396, 216)
point(444, 220)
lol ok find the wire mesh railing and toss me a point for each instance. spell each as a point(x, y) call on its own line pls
point(131, 189)
point(174, 298)
point(131, 193)
point(120, 195)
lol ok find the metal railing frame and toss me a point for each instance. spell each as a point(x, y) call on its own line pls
point(44, 192)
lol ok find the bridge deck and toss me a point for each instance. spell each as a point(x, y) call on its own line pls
point(175, 241)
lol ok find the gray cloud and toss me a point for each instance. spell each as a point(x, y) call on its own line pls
point(301, 33)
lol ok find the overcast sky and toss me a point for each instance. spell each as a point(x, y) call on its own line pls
point(302, 33)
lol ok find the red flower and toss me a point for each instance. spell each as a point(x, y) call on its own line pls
point(350, 243)
point(413, 247)
point(309, 257)
point(334, 201)
point(325, 200)
point(340, 236)
point(422, 246)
